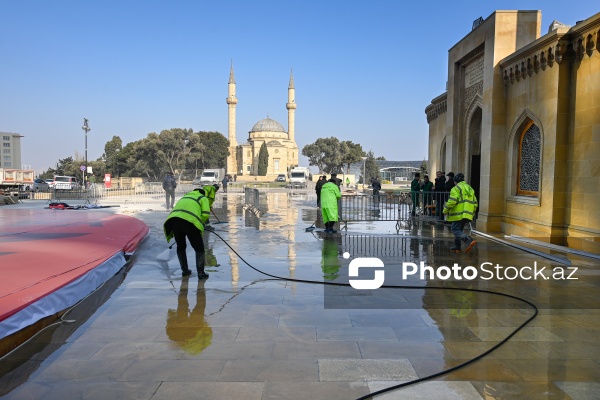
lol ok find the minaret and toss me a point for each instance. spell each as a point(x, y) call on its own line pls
point(232, 167)
point(291, 106)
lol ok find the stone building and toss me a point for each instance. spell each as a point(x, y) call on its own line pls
point(521, 119)
point(281, 145)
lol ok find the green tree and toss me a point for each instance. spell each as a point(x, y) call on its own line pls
point(371, 167)
point(423, 168)
point(380, 158)
point(172, 148)
point(326, 154)
point(143, 159)
point(126, 155)
point(351, 153)
point(112, 148)
point(212, 149)
point(263, 160)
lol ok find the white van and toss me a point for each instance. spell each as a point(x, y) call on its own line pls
point(65, 183)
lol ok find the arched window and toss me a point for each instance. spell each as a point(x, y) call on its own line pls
point(530, 151)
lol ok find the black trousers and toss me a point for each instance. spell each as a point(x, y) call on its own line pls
point(183, 229)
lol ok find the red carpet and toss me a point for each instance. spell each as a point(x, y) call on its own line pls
point(51, 259)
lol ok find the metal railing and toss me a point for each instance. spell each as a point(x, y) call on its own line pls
point(252, 197)
point(391, 207)
point(148, 194)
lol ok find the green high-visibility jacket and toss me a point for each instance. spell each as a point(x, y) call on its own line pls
point(192, 207)
point(462, 203)
point(330, 193)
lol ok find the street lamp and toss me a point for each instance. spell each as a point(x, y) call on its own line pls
point(364, 171)
point(86, 128)
point(186, 151)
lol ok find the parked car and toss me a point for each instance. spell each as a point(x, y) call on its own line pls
point(198, 182)
point(281, 178)
point(40, 185)
point(66, 183)
point(50, 183)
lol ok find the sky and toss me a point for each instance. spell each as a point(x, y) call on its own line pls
point(363, 70)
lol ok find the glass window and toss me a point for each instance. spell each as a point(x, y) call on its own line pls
point(530, 151)
point(6, 144)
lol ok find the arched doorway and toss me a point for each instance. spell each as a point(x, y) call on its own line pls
point(474, 152)
point(442, 163)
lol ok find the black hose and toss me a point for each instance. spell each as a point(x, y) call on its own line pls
point(428, 377)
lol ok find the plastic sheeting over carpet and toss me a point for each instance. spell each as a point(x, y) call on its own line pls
point(51, 259)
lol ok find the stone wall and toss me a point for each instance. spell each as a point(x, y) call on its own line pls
point(502, 78)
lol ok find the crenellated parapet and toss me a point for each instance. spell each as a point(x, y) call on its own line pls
point(438, 106)
point(562, 44)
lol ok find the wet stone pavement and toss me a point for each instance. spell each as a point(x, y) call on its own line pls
point(148, 333)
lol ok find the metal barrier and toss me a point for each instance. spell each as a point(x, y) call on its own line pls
point(151, 195)
point(252, 197)
point(252, 200)
point(375, 246)
point(390, 207)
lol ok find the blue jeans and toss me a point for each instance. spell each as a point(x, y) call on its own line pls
point(457, 228)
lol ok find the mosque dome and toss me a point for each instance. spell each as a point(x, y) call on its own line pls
point(267, 125)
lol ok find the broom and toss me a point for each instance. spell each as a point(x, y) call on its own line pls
point(312, 227)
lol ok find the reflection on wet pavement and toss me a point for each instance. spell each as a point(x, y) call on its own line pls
point(151, 334)
point(187, 327)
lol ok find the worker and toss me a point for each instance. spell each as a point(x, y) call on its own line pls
point(330, 193)
point(187, 220)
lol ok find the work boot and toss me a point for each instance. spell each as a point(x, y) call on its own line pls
point(456, 247)
point(185, 271)
point(200, 266)
point(470, 242)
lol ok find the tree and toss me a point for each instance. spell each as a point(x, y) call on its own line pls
point(263, 160)
point(213, 148)
point(380, 158)
point(371, 167)
point(423, 168)
point(143, 158)
point(112, 148)
point(326, 154)
point(172, 148)
point(351, 153)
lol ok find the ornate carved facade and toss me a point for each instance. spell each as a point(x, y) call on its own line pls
point(521, 120)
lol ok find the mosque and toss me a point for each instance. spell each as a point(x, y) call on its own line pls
point(521, 119)
point(281, 145)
